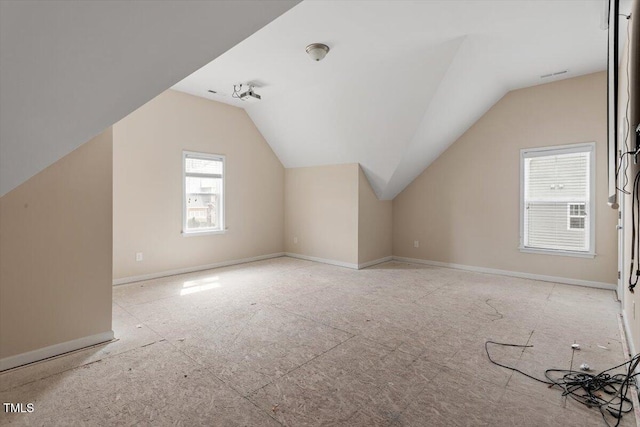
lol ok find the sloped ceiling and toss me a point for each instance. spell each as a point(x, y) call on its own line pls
point(70, 69)
point(403, 79)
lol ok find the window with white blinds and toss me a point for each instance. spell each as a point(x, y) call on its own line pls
point(203, 193)
point(557, 194)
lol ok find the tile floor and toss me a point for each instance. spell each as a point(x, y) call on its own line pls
point(297, 343)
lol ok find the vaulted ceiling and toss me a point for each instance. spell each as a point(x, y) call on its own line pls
point(69, 70)
point(403, 79)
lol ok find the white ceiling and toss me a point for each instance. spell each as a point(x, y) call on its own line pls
point(403, 79)
point(70, 69)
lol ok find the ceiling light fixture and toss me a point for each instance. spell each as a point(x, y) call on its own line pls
point(248, 94)
point(317, 51)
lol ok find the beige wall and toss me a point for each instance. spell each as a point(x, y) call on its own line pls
point(631, 301)
point(55, 252)
point(321, 211)
point(147, 205)
point(374, 223)
point(464, 208)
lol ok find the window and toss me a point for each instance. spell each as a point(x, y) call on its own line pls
point(557, 200)
point(203, 186)
point(576, 216)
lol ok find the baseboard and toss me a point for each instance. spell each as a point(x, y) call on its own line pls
point(166, 273)
point(555, 279)
point(54, 350)
point(629, 349)
point(322, 260)
point(374, 262)
point(543, 278)
point(627, 333)
point(340, 263)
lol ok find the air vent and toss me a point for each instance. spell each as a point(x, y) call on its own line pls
point(557, 73)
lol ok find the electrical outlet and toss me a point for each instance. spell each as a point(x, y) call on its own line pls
point(416, 243)
point(295, 240)
point(139, 256)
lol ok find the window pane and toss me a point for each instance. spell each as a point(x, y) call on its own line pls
point(208, 166)
point(577, 210)
point(203, 192)
point(203, 211)
point(546, 227)
point(556, 193)
point(562, 177)
point(197, 185)
point(576, 222)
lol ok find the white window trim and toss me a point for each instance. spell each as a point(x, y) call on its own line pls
point(223, 227)
point(589, 147)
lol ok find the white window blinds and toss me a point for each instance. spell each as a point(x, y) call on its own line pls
point(557, 199)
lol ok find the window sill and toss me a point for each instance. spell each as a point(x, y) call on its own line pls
point(574, 254)
point(202, 233)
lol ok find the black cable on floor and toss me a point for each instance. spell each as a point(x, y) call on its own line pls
point(604, 391)
point(634, 265)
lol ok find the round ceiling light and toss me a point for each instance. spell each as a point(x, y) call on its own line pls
point(317, 51)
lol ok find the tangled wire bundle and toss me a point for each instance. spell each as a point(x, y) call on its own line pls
point(605, 391)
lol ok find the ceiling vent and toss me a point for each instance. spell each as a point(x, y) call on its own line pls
point(557, 73)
